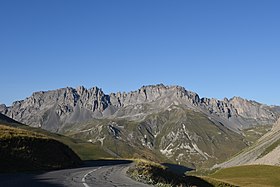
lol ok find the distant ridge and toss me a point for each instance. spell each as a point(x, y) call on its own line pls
point(53, 109)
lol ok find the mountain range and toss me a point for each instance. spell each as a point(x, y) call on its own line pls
point(156, 121)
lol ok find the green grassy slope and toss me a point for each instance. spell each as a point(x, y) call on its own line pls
point(120, 145)
point(159, 175)
point(216, 140)
point(85, 150)
point(176, 135)
point(254, 133)
point(251, 175)
point(22, 150)
point(167, 176)
point(26, 148)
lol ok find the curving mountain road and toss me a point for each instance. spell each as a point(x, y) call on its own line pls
point(94, 173)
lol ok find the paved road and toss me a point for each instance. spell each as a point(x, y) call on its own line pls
point(93, 173)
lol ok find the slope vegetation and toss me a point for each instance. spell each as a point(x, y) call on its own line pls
point(85, 150)
point(264, 151)
point(26, 150)
point(176, 135)
point(253, 175)
point(160, 175)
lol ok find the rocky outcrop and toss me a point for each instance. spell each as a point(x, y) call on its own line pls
point(240, 113)
point(54, 109)
point(252, 109)
point(51, 109)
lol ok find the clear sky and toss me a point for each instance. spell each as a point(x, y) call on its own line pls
point(216, 48)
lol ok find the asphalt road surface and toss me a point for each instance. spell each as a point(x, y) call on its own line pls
point(94, 173)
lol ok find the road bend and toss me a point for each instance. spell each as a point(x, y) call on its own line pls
point(100, 173)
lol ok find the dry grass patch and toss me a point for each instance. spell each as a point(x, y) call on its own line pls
point(159, 175)
point(252, 175)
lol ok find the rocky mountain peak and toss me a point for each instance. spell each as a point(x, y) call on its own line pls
point(66, 105)
point(251, 109)
point(3, 108)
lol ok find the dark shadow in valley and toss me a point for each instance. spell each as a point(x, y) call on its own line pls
point(95, 163)
point(178, 169)
point(39, 179)
point(21, 179)
point(196, 181)
point(190, 180)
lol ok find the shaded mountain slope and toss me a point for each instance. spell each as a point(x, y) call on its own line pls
point(25, 150)
point(85, 150)
point(6, 120)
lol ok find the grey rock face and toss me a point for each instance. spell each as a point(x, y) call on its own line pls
point(3, 108)
point(52, 110)
point(240, 113)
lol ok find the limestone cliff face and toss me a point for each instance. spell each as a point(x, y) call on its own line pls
point(240, 112)
point(153, 93)
point(53, 109)
point(251, 109)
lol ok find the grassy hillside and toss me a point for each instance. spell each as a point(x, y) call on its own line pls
point(254, 133)
point(26, 150)
point(251, 175)
point(169, 176)
point(85, 150)
point(203, 142)
point(117, 142)
point(160, 175)
point(176, 135)
point(263, 151)
point(270, 148)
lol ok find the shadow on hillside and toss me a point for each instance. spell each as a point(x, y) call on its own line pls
point(191, 180)
point(20, 179)
point(40, 179)
point(196, 181)
point(178, 169)
point(95, 163)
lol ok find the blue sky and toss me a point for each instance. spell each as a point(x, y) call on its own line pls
point(215, 48)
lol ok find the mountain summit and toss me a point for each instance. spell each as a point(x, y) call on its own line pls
point(53, 109)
